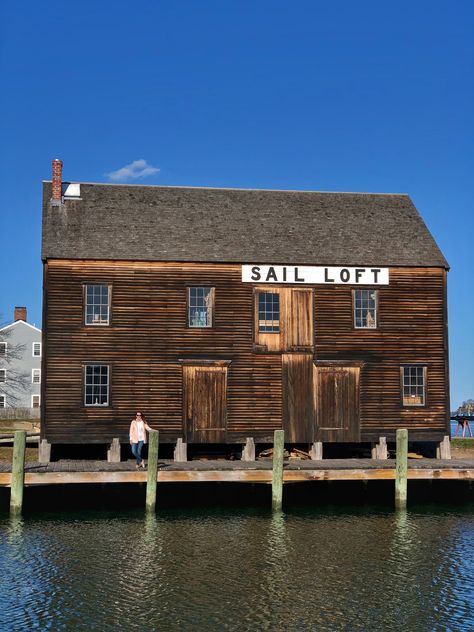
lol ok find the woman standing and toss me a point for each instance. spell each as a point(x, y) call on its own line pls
point(138, 429)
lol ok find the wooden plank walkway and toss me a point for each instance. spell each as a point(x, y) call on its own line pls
point(86, 472)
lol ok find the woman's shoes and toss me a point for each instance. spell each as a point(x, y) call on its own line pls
point(143, 465)
point(137, 467)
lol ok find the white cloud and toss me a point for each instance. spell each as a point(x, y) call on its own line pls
point(134, 171)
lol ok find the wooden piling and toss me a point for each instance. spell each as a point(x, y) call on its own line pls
point(401, 469)
point(44, 451)
point(152, 470)
point(114, 453)
point(18, 472)
point(248, 453)
point(443, 451)
point(277, 478)
point(379, 450)
point(316, 451)
point(180, 453)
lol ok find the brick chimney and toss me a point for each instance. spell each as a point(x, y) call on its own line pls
point(20, 313)
point(57, 181)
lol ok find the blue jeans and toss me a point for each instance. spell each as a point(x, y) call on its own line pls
point(137, 451)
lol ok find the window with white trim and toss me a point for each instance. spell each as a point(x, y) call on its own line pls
point(35, 401)
point(3, 375)
point(96, 384)
point(413, 385)
point(200, 306)
point(365, 309)
point(3, 401)
point(37, 349)
point(97, 303)
point(36, 376)
point(3, 349)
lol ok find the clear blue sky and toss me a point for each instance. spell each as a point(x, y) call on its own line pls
point(338, 96)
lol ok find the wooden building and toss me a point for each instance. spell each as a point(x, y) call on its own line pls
point(225, 314)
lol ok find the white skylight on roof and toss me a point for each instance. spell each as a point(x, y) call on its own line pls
point(71, 189)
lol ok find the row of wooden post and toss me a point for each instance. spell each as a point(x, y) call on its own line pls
point(401, 469)
point(18, 471)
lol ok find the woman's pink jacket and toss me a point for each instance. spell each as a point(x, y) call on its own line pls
point(134, 431)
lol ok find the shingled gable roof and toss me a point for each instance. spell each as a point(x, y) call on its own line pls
point(161, 223)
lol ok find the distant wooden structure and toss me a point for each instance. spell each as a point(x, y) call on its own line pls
point(226, 314)
point(463, 424)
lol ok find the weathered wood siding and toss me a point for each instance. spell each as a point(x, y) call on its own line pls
point(411, 328)
point(148, 336)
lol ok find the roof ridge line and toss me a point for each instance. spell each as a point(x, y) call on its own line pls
point(207, 188)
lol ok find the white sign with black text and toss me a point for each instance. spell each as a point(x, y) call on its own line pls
point(312, 275)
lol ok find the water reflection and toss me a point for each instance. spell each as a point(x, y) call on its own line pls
point(235, 570)
point(14, 529)
point(275, 556)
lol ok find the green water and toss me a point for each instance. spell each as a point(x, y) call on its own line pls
point(243, 569)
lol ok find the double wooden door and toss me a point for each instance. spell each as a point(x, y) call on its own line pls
point(320, 403)
point(205, 403)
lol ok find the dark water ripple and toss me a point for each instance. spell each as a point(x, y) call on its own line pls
point(236, 570)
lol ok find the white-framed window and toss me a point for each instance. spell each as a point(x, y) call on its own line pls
point(365, 309)
point(97, 304)
point(36, 376)
point(268, 312)
point(37, 349)
point(96, 384)
point(3, 375)
point(413, 379)
point(200, 306)
point(3, 349)
point(3, 401)
point(35, 401)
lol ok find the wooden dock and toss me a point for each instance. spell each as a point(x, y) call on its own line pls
point(276, 472)
point(88, 472)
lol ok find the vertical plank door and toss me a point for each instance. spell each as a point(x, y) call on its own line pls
point(205, 405)
point(337, 404)
point(297, 319)
point(298, 397)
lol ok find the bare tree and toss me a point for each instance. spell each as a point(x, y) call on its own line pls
point(13, 382)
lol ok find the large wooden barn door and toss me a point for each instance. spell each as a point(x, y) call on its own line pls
point(205, 404)
point(298, 397)
point(337, 403)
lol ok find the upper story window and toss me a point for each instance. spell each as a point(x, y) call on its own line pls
point(36, 376)
point(268, 312)
point(3, 349)
point(97, 304)
point(96, 385)
point(413, 385)
point(283, 319)
point(3, 375)
point(37, 349)
point(365, 309)
point(200, 306)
